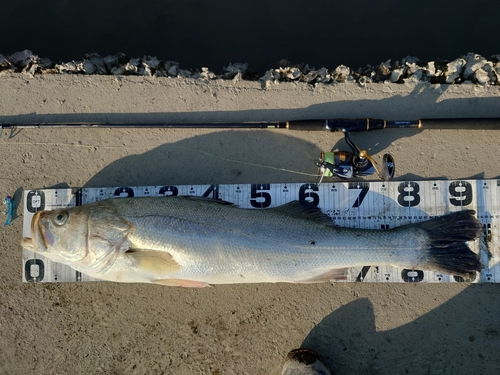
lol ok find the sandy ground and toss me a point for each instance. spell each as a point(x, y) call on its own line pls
point(106, 328)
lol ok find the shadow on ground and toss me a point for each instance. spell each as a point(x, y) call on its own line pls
point(449, 339)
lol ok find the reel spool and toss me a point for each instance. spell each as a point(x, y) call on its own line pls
point(345, 164)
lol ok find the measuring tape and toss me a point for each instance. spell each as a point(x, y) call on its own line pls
point(371, 205)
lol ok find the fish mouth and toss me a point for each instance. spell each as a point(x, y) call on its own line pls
point(41, 237)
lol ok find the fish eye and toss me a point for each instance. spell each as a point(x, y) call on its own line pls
point(61, 218)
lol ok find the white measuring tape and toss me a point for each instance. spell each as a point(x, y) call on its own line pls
point(371, 205)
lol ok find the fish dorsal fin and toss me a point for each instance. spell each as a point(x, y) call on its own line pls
point(205, 199)
point(153, 261)
point(304, 210)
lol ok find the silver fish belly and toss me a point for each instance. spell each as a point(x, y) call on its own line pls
point(191, 241)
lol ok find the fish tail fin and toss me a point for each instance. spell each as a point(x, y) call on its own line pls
point(448, 251)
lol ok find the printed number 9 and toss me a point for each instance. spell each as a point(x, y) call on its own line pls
point(461, 193)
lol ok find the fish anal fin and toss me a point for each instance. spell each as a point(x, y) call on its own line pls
point(153, 261)
point(181, 282)
point(336, 274)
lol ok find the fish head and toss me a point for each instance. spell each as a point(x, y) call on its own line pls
point(79, 236)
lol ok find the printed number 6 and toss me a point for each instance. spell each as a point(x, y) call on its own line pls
point(307, 193)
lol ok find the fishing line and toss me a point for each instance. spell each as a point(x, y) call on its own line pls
point(69, 144)
point(173, 146)
point(248, 163)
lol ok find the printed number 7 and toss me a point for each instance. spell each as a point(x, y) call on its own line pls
point(364, 186)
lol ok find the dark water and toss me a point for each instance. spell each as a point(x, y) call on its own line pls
point(213, 33)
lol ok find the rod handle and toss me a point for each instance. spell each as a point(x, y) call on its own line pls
point(462, 123)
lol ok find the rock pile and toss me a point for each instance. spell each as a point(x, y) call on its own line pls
point(471, 68)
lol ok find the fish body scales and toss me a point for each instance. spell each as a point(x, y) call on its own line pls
point(193, 241)
point(220, 243)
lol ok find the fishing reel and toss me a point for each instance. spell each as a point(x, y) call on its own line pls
point(356, 163)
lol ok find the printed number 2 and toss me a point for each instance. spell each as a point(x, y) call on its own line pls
point(259, 198)
point(408, 194)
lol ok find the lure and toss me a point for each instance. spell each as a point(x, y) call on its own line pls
point(10, 207)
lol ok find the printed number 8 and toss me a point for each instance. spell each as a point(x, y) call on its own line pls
point(408, 194)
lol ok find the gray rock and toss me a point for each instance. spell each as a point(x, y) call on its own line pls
point(410, 60)
point(234, 71)
point(69, 67)
point(341, 73)
point(151, 62)
point(269, 78)
point(184, 73)
point(5, 63)
point(172, 68)
point(454, 70)
point(98, 62)
point(111, 62)
point(206, 74)
point(383, 71)
point(23, 58)
point(118, 70)
point(45, 63)
point(290, 73)
point(88, 67)
point(473, 62)
point(481, 76)
point(396, 74)
point(492, 73)
point(430, 70)
point(414, 71)
point(317, 76)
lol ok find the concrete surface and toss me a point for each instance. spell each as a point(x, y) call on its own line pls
point(106, 328)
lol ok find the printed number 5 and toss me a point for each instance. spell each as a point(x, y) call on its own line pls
point(260, 199)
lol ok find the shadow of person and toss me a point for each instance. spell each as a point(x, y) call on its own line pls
point(460, 336)
point(223, 157)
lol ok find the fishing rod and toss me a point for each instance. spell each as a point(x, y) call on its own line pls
point(342, 164)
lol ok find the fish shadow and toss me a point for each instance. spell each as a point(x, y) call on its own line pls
point(460, 336)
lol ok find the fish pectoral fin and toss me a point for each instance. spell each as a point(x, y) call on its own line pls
point(180, 282)
point(153, 261)
point(337, 274)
